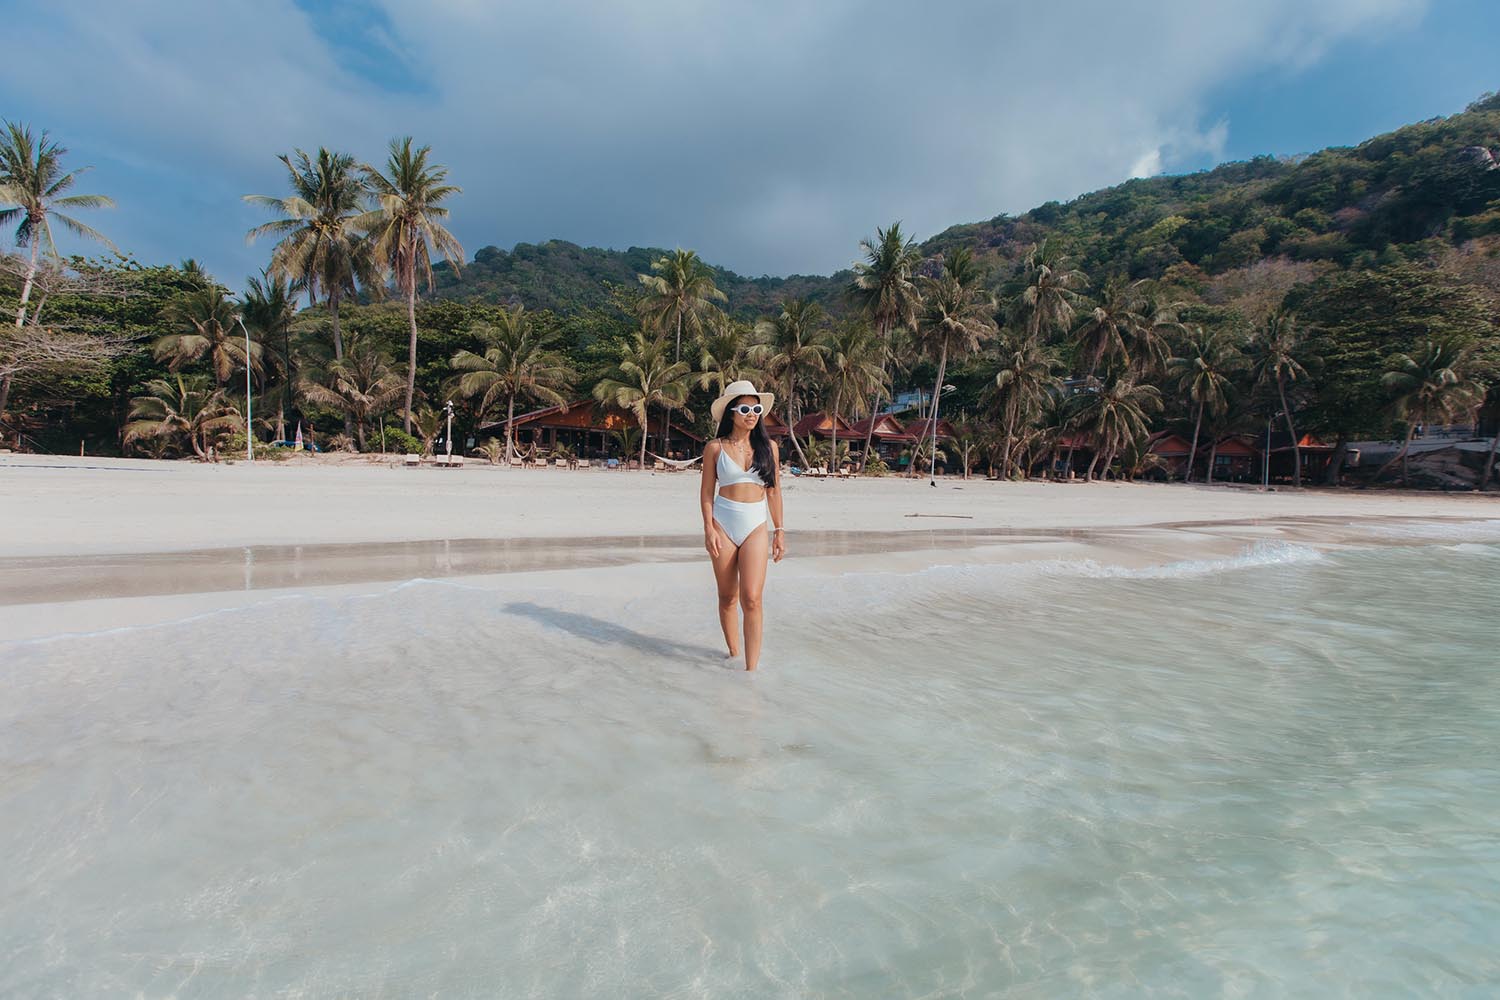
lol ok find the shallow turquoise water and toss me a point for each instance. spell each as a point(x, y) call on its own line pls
point(1276, 775)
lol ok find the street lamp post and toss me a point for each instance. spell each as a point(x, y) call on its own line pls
point(448, 438)
point(249, 437)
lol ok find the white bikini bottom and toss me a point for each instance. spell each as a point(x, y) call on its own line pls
point(739, 519)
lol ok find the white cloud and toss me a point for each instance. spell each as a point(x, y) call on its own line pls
point(770, 136)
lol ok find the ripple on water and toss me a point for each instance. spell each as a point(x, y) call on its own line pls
point(1252, 777)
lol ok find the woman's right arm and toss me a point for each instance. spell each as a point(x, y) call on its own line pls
point(706, 496)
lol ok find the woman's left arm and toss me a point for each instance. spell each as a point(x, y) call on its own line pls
point(773, 499)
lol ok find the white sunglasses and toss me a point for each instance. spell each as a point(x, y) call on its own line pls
point(745, 409)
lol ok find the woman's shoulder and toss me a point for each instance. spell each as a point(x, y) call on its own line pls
point(713, 447)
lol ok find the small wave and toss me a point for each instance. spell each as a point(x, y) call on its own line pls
point(1437, 531)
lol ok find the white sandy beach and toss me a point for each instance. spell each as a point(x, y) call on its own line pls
point(71, 506)
point(130, 542)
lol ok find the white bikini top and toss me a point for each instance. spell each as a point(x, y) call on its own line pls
point(729, 473)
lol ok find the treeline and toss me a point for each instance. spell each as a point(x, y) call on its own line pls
point(1352, 294)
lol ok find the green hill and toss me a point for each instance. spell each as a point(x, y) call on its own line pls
point(1414, 190)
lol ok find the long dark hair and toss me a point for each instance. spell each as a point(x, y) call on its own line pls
point(761, 463)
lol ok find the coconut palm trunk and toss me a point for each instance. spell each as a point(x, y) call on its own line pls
point(833, 448)
point(1400, 456)
point(26, 287)
point(1187, 475)
point(1010, 433)
point(510, 433)
point(791, 384)
point(1088, 476)
point(1291, 431)
point(645, 431)
point(1489, 462)
point(937, 393)
point(883, 334)
point(1213, 455)
point(411, 354)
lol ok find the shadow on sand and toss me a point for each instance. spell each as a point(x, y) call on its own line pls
point(605, 633)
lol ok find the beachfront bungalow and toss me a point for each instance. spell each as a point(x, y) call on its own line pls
point(588, 428)
point(1315, 456)
point(1081, 449)
point(889, 438)
point(1234, 460)
point(1172, 451)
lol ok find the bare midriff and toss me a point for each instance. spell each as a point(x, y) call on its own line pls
point(742, 492)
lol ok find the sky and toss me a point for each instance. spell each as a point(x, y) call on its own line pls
point(769, 136)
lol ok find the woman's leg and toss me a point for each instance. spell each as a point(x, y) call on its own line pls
point(752, 571)
point(726, 575)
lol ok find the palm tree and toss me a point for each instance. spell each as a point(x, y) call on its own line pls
point(406, 230)
point(968, 437)
point(1050, 297)
point(206, 325)
point(885, 287)
point(1154, 327)
point(681, 293)
point(33, 192)
point(183, 405)
point(363, 384)
point(793, 353)
point(1204, 374)
point(269, 308)
point(1027, 375)
point(1109, 329)
point(955, 320)
point(1273, 352)
point(853, 363)
point(1116, 416)
point(320, 248)
point(724, 353)
point(644, 379)
point(1428, 385)
point(518, 362)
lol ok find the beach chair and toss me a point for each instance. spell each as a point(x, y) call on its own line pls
point(517, 461)
point(612, 464)
point(411, 461)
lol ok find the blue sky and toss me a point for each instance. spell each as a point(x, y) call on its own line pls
point(769, 136)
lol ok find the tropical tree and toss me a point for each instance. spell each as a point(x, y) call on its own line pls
point(1203, 373)
point(724, 353)
point(1428, 385)
point(184, 406)
point(885, 287)
point(793, 353)
point(363, 384)
point(680, 294)
point(968, 437)
point(1027, 377)
point(646, 378)
point(1051, 294)
point(853, 362)
point(1108, 331)
point(519, 361)
point(206, 328)
point(407, 230)
point(320, 246)
point(955, 319)
point(1116, 416)
point(269, 309)
point(33, 193)
point(1153, 328)
point(1274, 351)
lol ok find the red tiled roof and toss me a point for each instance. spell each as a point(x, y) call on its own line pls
point(887, 428)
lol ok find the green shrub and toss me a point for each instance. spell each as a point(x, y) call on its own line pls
point(397, 441)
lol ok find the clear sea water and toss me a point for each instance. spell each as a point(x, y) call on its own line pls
point(1271, 776)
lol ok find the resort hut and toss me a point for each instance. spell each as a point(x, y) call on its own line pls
point(1315, 456)
point(587, 428)
point(1234, 460)
point(888, 438)
point(1172, 452)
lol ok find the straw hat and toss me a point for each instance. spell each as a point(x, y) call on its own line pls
point(735, 390)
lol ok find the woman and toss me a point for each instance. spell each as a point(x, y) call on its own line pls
point(741, 510)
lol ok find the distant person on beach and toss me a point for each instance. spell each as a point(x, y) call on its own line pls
point(742, 517)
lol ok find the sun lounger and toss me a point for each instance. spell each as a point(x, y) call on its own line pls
point(411, 461)
point(448, 461)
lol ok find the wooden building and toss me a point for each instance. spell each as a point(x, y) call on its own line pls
point(588, 428)
point(889, 438)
